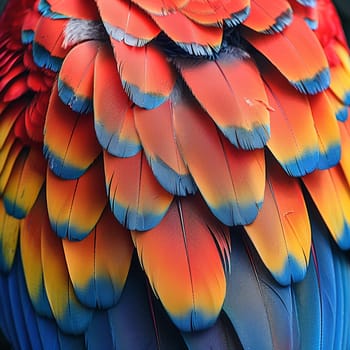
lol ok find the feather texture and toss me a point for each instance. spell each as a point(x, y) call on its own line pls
point(166, 255)
point(233, 192)
point(244, 121)
point(138, 68)
point(70, 145)
point(136, 198)
point(74, 202)
point(113, 115)
point(99, 264)
point(281, 232)
point(306, 67)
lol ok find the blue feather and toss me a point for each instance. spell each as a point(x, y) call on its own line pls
point(238, 17)
point(16, 307)
point(48, 332)
point(131, 320)
point(43, 58)
point(98, 335)
point(260, 309)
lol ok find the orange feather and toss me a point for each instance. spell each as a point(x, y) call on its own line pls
point(161, 7)
point(48, 50)
point(71, 9)
point(156, 130)
point(70, 143)
point(70, 315)
point(70, 200)
point(30, 243)
point(236, 98)
point(190, 36)
point(331, 194)
point(124, 21)
point(139, 69)
point(136, 198)
point(214, 12)
point(281, 232)
point(269, 17)
point(99, 264)
point(293, 136)
point(9, 233)
point(30, 168)
point(113, 114)
point(177, 250)
point(75, 81)
point(231, 180)
point(300, 58)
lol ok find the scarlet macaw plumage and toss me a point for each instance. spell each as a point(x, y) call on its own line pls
point(174, 174)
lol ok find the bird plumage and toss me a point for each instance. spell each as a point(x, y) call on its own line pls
point(174, 175)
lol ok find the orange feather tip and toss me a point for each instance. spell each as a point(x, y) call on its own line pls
point(238, 17)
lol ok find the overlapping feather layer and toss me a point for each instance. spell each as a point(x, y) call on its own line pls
point(174, 173)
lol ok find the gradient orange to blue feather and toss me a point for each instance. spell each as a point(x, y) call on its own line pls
point(174, 174)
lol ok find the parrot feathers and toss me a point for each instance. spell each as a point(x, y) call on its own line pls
point(230, 189)
point(75, 80)
point(293, 136)
point(74, 201)
point(193, 38)
point(329, 191)
point(270, 18)
point(48, 48)
point(215, 12)
point(9, 233)
point(18, 197)
point(124, 21)
point(138, 68)
point(294, 55)
point(136, 198)
point(30, 243)
point(113, 115)
point(59, 9)
point(70, 144)
point(183, 252)
point(283, 216)
point(255, 300)
point(156, 131)
point(98, 265)
point(244, 121)
point(71, 316)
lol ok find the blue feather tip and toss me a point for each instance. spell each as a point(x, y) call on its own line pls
point(79, 104)
point(314, 85)
point(43, 58)
point(45, 9)
point(238, 17)
point(112, 143)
